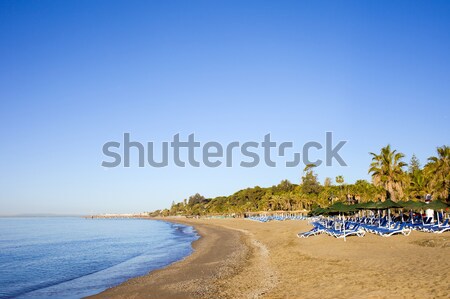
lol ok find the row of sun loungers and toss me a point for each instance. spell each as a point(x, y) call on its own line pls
point(380, 226)
point(431, 227)
point(335, 229)
point(418, 223)
point(389, 230)
point(277, 218)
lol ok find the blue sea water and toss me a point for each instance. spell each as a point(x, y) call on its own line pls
point(69, 257)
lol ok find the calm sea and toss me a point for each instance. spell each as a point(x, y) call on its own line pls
point(65, 257)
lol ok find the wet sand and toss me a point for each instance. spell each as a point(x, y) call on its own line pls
point(237, 258)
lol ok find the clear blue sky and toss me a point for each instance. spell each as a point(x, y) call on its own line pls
point(76, 74)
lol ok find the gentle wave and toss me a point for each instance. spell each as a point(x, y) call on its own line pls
point(75, 257)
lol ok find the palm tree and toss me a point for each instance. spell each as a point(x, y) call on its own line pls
point(387, 171)
point(418, 184)
point(287, 202)
point(364, 190)
point(340, 182)
point(276, 202)
point(438, 170)
point(297, 200)
point(340, 179)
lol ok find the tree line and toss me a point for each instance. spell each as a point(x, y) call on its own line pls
point(392, 178)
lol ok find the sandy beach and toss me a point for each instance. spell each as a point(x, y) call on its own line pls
point(237, 258)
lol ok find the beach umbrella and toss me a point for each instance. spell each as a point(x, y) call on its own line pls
point(318, 211)
point(340, 207)
point(328, 211)
point(336, 207)
point(350, 208)
point(437, 205)
point(412, 205)
point(387, 205)
point(359, 206)
point(370, 205)
point(380, 205)
point(365, 206)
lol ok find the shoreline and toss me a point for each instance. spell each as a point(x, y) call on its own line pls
point(238, 258)
point(218, 255)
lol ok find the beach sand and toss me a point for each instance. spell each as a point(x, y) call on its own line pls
point(238, 258)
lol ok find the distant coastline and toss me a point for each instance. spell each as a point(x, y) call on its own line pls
point(40, 215)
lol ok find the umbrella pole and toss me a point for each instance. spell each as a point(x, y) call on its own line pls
point(379, 218)
point(343, 221)
point(335, 222)
point(389, 217)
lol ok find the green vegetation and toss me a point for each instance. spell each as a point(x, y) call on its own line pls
point(391, 179)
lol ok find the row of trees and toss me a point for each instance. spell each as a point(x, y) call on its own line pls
point(391, 178)
point(388, 171)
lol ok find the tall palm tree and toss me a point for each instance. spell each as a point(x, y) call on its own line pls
point(340, 182)
point(418, 184)
point(387, 171)
point(438, 170)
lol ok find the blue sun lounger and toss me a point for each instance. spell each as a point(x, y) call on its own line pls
point(315, 231)
point(399, 228)
point(351, 229)
point(372, 228)
point(438, 229)
point(318, 229)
